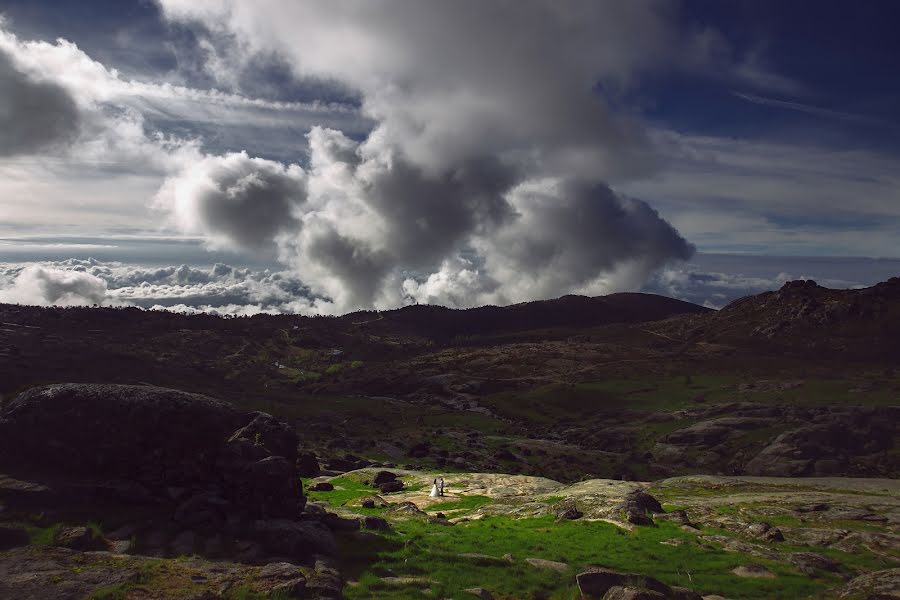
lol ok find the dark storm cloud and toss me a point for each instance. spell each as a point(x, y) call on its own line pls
point(34, 115)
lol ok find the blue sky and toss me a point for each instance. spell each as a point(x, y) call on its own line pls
point(756, 128)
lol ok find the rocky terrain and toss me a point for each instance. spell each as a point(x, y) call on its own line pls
point(631, 446)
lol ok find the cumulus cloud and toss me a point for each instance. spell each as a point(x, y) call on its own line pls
point(236, 201)
point(46, 286)
point(34, 115)
point(523, 80)
point(486, 177)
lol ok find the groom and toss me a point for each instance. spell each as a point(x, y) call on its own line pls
point(442, 487)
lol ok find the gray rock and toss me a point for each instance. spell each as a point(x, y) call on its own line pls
point(597, 581)
point(139, 433)
point(480, 593)
point(376, 523)
point(541, 563)
point(80, 538)
point(307, 464)
point(809, 563)
point(321, 486)
point(568, 512)
point(383, 477)
point(296, 539)
point(630, 593)
point(391, 486)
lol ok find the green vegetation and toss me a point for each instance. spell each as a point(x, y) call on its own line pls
point(43, 536)
point(420, 549)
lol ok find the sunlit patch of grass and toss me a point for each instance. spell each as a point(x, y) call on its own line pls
point(421, 549)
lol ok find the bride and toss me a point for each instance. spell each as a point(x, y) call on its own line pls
point(434, 490)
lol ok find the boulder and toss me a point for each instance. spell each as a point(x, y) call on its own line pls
point(877, 585)
point(638, 518)
point(541, 563)
point(568, 512)
point(406, 509)
point(765, 532)
point(154, 435)
point(321, 486)
point(282, 580)
point(12, 537)
point(641, 502)
point(383, 477)
point(298, 540)
point(376, 523)
point(753, 571)
point(391, 486)
point(680, 593)
point(338, 523)
point(272, 434)
point(479, 593)
point(809, 563)
point(630, 593)
point(307, 464)
point(597, 581)
point(80, 538)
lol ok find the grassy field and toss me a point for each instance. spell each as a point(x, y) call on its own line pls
point(421, 559)
point(447, 558)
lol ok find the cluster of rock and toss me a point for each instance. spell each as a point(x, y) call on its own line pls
point(606, 584)
point(762, 439)
point(200, 476)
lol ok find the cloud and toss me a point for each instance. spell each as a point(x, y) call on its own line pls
point(524, 81)
point(236, 201)
point(486, 175)
point(45, 286)
point(364, 227)
point(34, 115)
point(805, 108)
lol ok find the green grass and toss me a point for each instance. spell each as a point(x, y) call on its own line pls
point(425, 550)
point(545, 403)
point(43, 536)
point(345, 490)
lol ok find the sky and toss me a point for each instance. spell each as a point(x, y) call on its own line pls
point(321, 157)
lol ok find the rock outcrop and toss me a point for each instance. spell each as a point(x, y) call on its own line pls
point(197, 466)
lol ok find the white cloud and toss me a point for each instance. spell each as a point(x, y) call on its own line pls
point(46, 286)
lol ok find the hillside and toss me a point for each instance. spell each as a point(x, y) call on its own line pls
point(627, 385)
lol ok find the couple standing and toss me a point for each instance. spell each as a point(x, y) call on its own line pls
point(438, 488)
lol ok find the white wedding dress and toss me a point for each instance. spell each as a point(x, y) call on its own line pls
point(434, 491)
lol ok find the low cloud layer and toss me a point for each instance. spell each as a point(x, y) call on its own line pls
point(46, 286)
point(710, 280)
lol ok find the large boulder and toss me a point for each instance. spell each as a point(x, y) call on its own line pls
point(298, 540)
point(12, 537)
point(597, 581)
point(307, 464)
point(149, 434)
point(198, 453)
point(274, 435)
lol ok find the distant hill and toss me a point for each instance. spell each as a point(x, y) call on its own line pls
point(440, 323)
point(805, 315)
